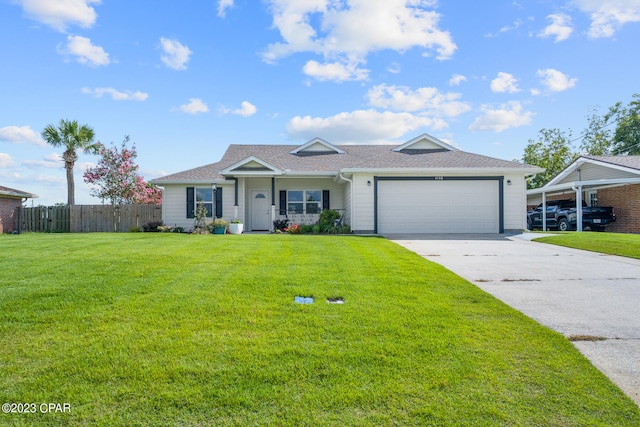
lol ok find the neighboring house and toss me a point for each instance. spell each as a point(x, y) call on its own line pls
point(599, 181)
point(10, 199)
point(422, 186)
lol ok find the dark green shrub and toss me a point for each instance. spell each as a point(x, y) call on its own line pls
point(280, 224)
point(328, 218)
point(151, 226)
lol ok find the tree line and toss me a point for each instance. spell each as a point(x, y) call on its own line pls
point(615, 133)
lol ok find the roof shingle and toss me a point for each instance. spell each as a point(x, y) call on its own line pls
point(360, 157)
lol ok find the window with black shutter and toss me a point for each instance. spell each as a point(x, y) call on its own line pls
point(283, 202)
point(325, 200)
point(219, 203)
point(191, 202)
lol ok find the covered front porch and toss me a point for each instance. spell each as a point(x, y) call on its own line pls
point(261, 200)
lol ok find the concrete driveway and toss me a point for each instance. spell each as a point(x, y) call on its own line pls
point(576, 293)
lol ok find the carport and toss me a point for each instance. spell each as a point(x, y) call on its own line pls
point(585, 176)
point(576, 188)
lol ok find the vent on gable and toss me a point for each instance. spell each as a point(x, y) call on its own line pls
point(252, 166)
point(424, 144)
point(316, 146)
point(413, 151)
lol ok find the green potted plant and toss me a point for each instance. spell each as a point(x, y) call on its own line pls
point(236, 227)
point(219, 226)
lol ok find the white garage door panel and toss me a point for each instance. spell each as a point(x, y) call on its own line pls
point(438, 206)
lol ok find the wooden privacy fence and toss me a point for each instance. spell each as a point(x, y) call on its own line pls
point(43, 218)
point(87, 218)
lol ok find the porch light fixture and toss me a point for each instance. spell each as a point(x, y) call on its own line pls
point(368, 183)
point(508, 182)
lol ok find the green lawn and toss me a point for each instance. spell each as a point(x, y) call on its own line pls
point(627, 245)
point(147, 329)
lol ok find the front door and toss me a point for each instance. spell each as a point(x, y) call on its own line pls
point(259, 210)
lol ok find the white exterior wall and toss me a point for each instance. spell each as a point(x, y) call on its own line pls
point(514, 200)
point(363, 219)
point(589, 172)
point(360, 216)
point(346, 201)
point(336, 191)
point(174, 204)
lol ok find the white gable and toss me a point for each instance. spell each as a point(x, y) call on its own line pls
point(425, 142)
point(317, 145)
point(586, 169)
point(251, 166)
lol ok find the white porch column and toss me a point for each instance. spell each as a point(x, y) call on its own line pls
point(273, 217)
point(578, 207)
point(544, 211)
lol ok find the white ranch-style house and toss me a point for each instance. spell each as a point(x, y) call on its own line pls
point(422, 186)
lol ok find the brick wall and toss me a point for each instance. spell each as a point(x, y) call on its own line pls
point(626, 201)
point(8, 207)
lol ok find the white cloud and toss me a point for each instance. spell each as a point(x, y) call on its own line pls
point(21, 135)
point(505, 82)
point(608, 16)
point(246, 109)
point(560, 27)
point(335, 71)
point(555, 80)
point(58, 14)
point(6, 161)
point(51, 161)
point(394, 68)
point(456, 79)
point(194, 106)
point(328, 28)
point(516, 24)
point(223, 5)
point(116, 95)
point(360, 126)
point(507, 116)
point(86, 52)
point(427, 100)
point(176, 55)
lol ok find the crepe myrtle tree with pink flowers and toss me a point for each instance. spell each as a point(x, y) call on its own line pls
point(116, 178)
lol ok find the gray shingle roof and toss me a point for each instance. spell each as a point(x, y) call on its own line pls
point(359, 157)
point(632, 162)
point(6, 191)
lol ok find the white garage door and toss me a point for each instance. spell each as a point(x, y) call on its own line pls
point(439, 206)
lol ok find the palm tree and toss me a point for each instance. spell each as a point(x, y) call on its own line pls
point(72, 137)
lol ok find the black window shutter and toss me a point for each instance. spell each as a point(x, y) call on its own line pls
point(190, 202)
point(219, 203)
point(325, 199)
point(283, 202)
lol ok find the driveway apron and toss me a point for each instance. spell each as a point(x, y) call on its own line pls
point(591, 298)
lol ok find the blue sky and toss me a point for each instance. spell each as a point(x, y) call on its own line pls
point(186, 79)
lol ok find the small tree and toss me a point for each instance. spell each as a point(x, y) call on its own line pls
point(116, 178)
point(146, 194)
